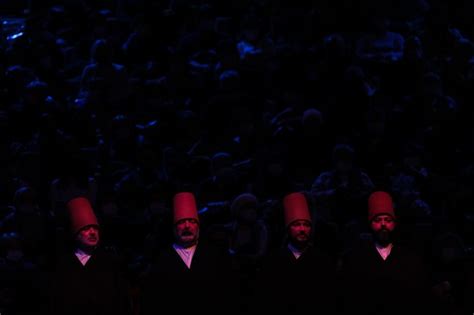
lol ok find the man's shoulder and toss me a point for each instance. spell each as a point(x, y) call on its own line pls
point(203, 249)
point(407, 253)
point(367, 248)
point(359, 251)
point(165, 254)
point(109, 254)
point(207, 250)
point(64, 258)
point(278, 253)
point(319, 254)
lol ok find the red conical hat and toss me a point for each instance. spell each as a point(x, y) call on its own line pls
point(296, 208)
point(184, 207)
point(81, 214)
point(380, 202)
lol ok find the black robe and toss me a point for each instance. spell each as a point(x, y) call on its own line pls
point(297, 286)
point(93, 289)
point(371, 285)
point(205, 288)
point(469, 291)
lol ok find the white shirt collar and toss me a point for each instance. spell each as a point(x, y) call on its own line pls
point(186, 253)
point(82, 256)
point(296, 251)
point(384, 251)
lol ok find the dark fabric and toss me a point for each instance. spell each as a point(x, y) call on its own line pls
point(469, 291)
point(297, 286)
point(19, 282)
point(371, 285)
point(93, 289)
point(205, 288)
point(449, 281)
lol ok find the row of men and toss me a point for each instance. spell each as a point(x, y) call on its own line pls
point(191, 276)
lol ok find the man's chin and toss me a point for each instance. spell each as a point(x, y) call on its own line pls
point(89, 246)
point(303, 239)
point(187, 237)
point(383, 238)
point(301, 243)
point(188, 240)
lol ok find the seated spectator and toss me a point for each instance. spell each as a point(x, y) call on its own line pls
point(408, 186)
point(30, 222)
point(74, 180)
point(342, 191)
point(246, 238)
point(449, 273)
point(104, 82)
point(19, 280)
point(248, 234)
point(310, 130)
point(380, 44)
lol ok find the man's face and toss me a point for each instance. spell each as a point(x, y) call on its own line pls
point(343, 165)
point(88, 237)
point(248, 215)
point(187, 232)
point(299, 232)
point(382, 226)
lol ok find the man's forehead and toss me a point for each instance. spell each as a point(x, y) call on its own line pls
point(384, 217)
point(190, 220)
point(87, 227)
point(299, 222)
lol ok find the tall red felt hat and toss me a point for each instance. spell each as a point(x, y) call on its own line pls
point(295, 208)
point(184, 207)
point(380, 202)
point(81, 214)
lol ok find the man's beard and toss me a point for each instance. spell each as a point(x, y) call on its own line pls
point(383, 237)
point(301, 244)
point(186, 233)
point(188, 242)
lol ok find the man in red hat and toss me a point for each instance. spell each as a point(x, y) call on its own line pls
point(299, 265)
point(189, 276)
point(87, 280)
point(382, 277)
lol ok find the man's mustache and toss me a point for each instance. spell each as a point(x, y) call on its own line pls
point(187, 233)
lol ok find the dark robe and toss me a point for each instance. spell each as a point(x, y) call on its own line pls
point(371, 285)
point(297, 286)
point(205, 288)
point(93, 289)
point(469, 291)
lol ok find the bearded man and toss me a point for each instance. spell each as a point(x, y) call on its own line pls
point(383, 277)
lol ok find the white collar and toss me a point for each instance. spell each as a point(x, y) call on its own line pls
point(384, 251)
point(295, 251)
point(186, 253)
point(186, 249)
point(80, 252)
point(82, 256)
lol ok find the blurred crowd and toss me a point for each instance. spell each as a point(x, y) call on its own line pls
point(241, 102)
